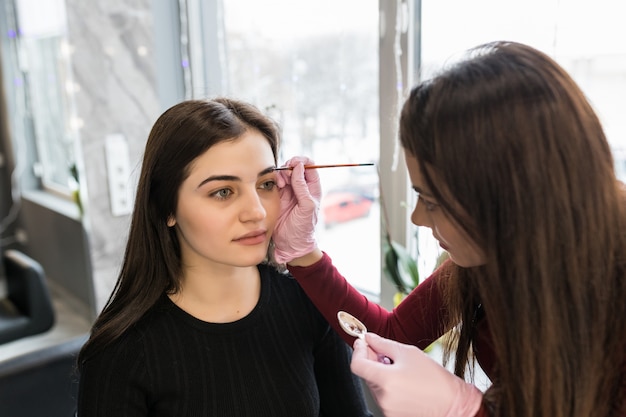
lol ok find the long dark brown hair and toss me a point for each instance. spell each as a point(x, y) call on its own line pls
point(516, 148)
point(152, 260)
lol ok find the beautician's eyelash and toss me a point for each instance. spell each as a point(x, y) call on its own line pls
point(430, 206)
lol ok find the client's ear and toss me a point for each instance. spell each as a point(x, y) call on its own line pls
point(171, 221)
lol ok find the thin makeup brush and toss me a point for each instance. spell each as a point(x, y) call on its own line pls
point(328, 166)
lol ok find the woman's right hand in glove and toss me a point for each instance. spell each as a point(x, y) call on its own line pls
point(413, 384)
point(300, 195)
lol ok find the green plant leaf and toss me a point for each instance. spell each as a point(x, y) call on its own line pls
point(399, 266)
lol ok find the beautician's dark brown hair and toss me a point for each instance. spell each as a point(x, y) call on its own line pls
point(514, 153)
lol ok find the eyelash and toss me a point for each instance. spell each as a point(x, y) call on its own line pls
point(218, 194)
point(268, 185)
point(430, 206)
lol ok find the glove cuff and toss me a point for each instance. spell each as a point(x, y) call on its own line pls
point(467, 402)
point(282, 257)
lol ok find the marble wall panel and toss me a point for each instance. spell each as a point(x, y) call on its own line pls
point(112, 55)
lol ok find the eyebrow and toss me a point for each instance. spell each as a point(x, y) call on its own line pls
point(266, 171)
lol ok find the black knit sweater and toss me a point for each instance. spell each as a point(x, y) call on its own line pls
point(282, 359)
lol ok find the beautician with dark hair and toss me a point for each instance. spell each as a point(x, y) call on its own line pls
point(515, 178)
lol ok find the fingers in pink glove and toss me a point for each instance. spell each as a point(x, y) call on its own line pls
point(306, 184)
point(365, 352)
point(415, 385)
point(360, 345)
point(362, 352)
point(300, 194)
point(284, 176)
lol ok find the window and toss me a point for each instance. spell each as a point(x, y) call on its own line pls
point(41, 118)
point(585, 38)
point(313, 67)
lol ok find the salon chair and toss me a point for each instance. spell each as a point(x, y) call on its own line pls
point(26, 309)
point(43, 383)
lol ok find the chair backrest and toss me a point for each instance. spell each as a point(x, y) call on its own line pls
point(27, 291)
point(41, 383)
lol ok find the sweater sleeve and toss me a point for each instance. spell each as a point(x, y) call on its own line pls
point(482, 412)
point(417, 320)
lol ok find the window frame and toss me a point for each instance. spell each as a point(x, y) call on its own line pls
point(30, 142)
point(399, 23)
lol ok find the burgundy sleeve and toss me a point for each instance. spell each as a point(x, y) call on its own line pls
point(482, 412)
point(417, 320)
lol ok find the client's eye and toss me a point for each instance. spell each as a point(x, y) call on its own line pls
point(268, 185)
point(222, 194)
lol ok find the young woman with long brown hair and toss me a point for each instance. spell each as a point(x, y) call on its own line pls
point(200, 322)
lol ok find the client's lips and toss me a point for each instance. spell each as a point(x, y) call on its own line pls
point(252, 238)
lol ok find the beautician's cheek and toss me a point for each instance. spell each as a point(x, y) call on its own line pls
point(471, 256)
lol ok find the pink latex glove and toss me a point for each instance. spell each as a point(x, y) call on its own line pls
point(414, 384)
point(300, 194)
